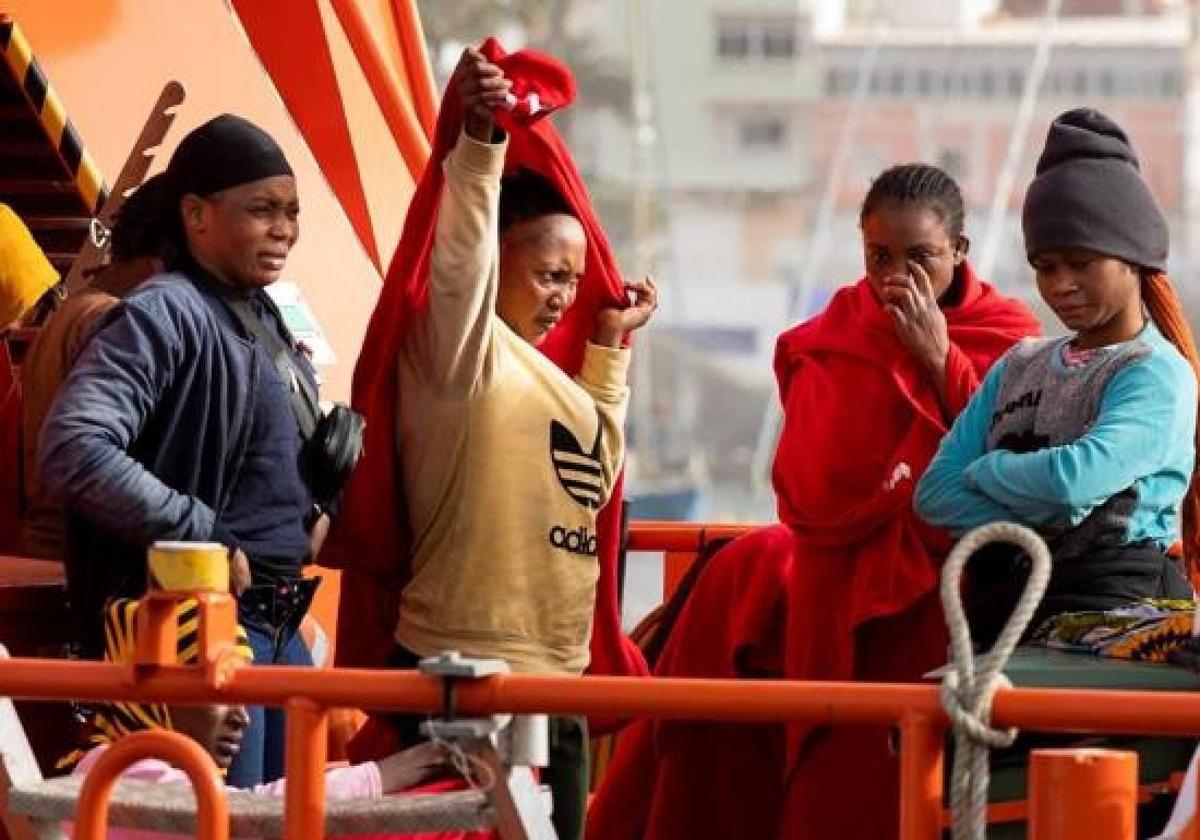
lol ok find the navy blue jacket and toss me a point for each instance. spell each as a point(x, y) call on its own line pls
point(146, 436)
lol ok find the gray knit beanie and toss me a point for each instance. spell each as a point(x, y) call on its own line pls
point(1089, 194)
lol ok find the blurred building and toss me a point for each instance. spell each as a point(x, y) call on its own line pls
point(950, 96)
point(748, 109)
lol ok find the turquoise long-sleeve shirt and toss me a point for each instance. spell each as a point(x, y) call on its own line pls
point(1124, 421)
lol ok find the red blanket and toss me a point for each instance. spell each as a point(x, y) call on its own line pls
point(861, 425)
point(677, 779)
point(369, 539)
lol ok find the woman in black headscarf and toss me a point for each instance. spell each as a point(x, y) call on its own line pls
point(186, 415)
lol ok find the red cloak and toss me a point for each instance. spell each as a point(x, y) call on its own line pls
point(857, 599)
point(369, 540)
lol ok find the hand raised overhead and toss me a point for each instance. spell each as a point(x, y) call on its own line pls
point(481, 87)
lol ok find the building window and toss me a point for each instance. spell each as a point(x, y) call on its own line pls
point(924, 81)
point(733, 38)
point(833, 81)
point(1016, 83)
point(1107, 83)
point(779, 42)
point(839, 81)
point(762, 132)
point(896, 85)
point(1171, 86)
point(987, 84)
point(770, 37)
point(1081, 83)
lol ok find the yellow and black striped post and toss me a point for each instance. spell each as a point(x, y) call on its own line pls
point(48, 106)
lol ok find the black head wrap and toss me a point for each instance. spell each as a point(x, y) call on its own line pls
point(225, 152)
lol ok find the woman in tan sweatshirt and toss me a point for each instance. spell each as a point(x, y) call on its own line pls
point(506, 459)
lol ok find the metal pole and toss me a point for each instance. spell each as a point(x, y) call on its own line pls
point(921, 760)
point(814, 258)
point(1082, 794)
point(307, 734)
point(1191, 143)
point(1016, 142)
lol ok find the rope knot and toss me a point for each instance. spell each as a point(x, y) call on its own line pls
point(969, 685)
point(974, 719)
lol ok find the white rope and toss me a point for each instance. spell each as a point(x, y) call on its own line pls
point(474, 770)
point(966, 692)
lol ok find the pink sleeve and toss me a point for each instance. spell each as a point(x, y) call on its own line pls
point(360, 781)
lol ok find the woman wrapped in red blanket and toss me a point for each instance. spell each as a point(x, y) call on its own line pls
point(844, 587)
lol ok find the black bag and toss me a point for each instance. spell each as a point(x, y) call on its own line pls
point(332, 442)
point(332, 452)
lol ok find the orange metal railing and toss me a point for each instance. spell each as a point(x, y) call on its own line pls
point(308, 694)
point(680, 544)
point(212, 808)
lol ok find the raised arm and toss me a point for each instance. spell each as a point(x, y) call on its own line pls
point(605, 369)
point(454, 339)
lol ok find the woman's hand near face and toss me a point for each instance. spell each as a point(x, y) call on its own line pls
point(920, 325)
point(481, 87)
point(612, 323)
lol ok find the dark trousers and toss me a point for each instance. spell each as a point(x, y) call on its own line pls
point(566, 775)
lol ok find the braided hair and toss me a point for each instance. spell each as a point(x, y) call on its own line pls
point(1165, 309)
point(139, 227)
point(921, 185)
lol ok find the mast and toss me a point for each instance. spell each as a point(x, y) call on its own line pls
point(818, 246)
point(1191, 141)
point(641, 140)
point(1017, 141)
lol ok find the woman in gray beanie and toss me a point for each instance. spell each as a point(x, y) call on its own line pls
point(1089, 439)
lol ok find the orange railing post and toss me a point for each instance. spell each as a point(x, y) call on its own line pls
point(1082, 794)
point(680, 544)
point(212, 814)
point(307, 731)
point(921, 759)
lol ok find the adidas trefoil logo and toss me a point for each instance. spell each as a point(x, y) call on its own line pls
point(578, 472)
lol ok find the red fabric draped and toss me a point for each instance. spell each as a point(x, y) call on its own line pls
point(369, 540)
point(861, 425)
point(846, 582)
point(682, 779)
point(863, 557)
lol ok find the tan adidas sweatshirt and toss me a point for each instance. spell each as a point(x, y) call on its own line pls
point(506, 459)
